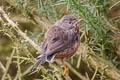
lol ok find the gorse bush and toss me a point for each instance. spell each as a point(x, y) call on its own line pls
point(22, 33)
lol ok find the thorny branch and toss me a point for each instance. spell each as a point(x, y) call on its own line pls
point(15, 26)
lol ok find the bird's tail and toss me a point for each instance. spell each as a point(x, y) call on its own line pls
point(40, 60)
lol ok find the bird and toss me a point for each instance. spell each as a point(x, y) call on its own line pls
point(61, 41)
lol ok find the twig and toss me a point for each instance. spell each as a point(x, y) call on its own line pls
point(75, 72)
point(18, 66)
point(114, 5)
point(93, 77)
point(4, 70)
point(8, 64)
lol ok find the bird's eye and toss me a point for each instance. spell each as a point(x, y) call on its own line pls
point(70, 22)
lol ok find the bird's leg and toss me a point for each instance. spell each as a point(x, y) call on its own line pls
point(66, 71)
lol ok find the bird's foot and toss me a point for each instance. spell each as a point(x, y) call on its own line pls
point(66, 71)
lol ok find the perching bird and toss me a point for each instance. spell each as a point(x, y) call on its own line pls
point(61, 41)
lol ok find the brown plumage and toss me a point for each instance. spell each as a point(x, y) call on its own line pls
point(61, 41)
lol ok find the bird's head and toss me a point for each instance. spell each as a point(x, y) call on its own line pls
point(68, 22)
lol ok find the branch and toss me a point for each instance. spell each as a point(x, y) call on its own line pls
point(76, 72)
point(103, 66)
point(15, 26)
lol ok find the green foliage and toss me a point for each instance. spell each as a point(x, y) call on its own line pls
point(92, 21)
